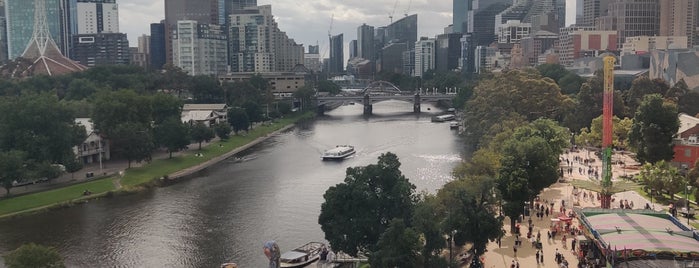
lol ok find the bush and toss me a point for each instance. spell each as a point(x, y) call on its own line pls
point(34, 256)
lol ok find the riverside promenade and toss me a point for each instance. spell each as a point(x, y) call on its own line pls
point(502, 256)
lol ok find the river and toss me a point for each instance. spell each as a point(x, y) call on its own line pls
point(272, 191)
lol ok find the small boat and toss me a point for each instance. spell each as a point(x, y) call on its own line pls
point(302, 256)
point(339, 152)
point(443, 118)
point(454, 125)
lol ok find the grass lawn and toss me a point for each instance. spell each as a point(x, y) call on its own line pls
point(56, 196)
point(141, 175)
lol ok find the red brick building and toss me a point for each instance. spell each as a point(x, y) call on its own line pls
point(687, 142)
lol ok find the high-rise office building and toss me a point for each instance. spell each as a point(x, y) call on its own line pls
point(20, 22)
point(199, 48)
point(403, 30)
point(157, 45)
point(337, 58)
point(97, 16)
point(680, 18)
point(447, 52)
point(3, 33)
point(424, 56)
point(101, 49)
point(592, 10)
point(365, 42)
point(201, 11)
point(632, 18)
point(256, 44)
point(460, 15)
point(353, 49)
point(228, 7)
point(312, 59)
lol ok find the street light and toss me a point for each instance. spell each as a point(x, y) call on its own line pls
point(689, 188)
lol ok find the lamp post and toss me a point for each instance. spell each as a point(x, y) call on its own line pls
point(689, 188)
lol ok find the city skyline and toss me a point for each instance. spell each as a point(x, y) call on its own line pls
point(308, 22)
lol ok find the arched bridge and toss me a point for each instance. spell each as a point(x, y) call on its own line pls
point(381, 91)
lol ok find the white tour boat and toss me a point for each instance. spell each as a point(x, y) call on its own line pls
point(339, 152)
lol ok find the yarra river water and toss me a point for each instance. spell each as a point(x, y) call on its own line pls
point(271, 191)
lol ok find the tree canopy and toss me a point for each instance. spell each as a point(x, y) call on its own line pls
point(357, 212)
point(34, 256)
point(654, 127)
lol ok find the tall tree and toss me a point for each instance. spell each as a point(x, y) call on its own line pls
point(642, 86)
point(399, 246)
point(223, 130)
point(254, 111)
point(40, 125)
point(34, 256)
point(529, 165)
point(118, 107)
point(206, 89)
point(356, 212)
point(173, 134)
point(653, 129)
point(304, 94)
point(553, 71)
point(238, 119)
point(11, 168)
point(427, 220)
point(201, 133)
point(165, 106)
point(513, 93)
point(132, 141)
point(470, 215)
point(328, 86)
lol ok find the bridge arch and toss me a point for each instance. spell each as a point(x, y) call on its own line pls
point(381, 87)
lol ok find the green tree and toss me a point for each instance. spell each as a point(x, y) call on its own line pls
point(165, 106)
point(693, 179)
point(653, 129)
point(689, 102)
point(399, 246)
point(79, 89)
point(553, 71)
point(570, 83)
point(328, 86)
point(356, 212)
point(223, 130)
point(119, 107)
point(642, 86)
point(174, 79)
point(200, 133)
point(470, 214)
point(593, 135)
point(206, 89)
point(510, 94)
point(34, 256)
point(11, 168)
point(529, 165)
point(305, 94)
point(238, 119)
point(132, 141)
point(173, 134)
point(427, 220)
point(652, 177)
point(38, 124)
point(588, 103)
point(254, 111)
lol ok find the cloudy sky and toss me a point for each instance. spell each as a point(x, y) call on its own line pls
point(307, 21)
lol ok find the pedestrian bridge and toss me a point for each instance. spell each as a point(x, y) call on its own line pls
point(379, 91)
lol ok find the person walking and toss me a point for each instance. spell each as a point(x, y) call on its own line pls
point(537, 257)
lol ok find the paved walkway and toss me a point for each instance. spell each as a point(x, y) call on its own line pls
point(503, 255)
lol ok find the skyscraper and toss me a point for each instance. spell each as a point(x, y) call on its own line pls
point(337, 58)
point(680, 18)
point(460, 15)
point(365, 42)
point(593, 9)
point(424, 56)
point(632, 18)
point(201, 11)
point(157, 45)
point(256, 44)
point(20, 22)
point(97, 16)
point(353, 49)
point(199, 48)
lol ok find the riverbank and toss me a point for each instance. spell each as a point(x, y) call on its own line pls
point(148, 175)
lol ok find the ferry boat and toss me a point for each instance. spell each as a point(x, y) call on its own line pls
point(443, 118)
point(339, 152)
point(301, 256)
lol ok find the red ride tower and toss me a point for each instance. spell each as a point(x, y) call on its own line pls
point(607, 138)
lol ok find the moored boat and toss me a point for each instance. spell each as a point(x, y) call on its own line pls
point(339, 152)
point(443, 118)
point(302, 256)
point(454, 125)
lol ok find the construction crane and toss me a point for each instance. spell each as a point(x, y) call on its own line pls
point(408, 9)
point(390, 15)
point(330, 29)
